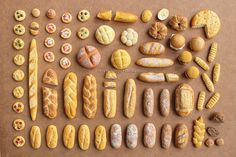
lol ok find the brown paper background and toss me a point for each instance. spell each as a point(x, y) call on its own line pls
point(226, 86)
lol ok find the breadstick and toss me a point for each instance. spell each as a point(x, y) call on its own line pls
point(201, 63)
point(153, 62)
point(212, 53)
point(216, 73)
point(213, 100)
point(201, 100)
point(33, 80)
point(208, 83)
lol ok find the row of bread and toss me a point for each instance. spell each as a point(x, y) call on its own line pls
point(181, 135)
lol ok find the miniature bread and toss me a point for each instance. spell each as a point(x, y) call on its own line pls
point(148, 102)
point(50, 77)
point(192, 72)
point(201, 63)
point(70, 94)
point(116, 136)
point(166, 136)
point(105, 34)
point(181, 136)
point(197, 44)
point(212, 53)
point(184, 100)
point(100, 137)
point(154, 62)
point(171, 77)
point(51, 136)
point(208, 83)
point(213, 100)
point(109, 84)
point(146, 15)
point(158, 31)
point(199, 132)
point(216, 73)
point(185, 57)
point(165, 102)
point(18, 92)
point(209, 20)
point(178, 23)
point(129, 37)
point(69, 136)
point(151, 77)
point(50, 102)
point(33, 80)
point(105, 15)
point(149, 135)
point(152, 48)
point(19, 141)
point(84, 137)
point(109, 103)
point(201, 100)
point(110, 75)
point(35, 137)
point(18, 124)
point(131, 136)
point(130, 98)
point(126, 17)
point(177, 42)
point(120, 59)
point(90, 96)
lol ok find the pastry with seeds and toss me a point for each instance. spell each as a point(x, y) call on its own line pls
point(19, 59)
point(151, 77)
point(19, 141)
point(18, 107)
point(65, 33)
point(20, 15)
point(19, 29)
point(201, 100)
point(171, 77)
point(148, 102)
point(69, 136)
point(49, 56)
point(105, 34)
point(35, 12)
point(50, 102)
point(158, 31)
point(213, 100)
point(83, 33)
point(129, 37)
point(120, 59)
point(153, 62)
point(51, 136)
point(89, 96)
point(49, 42)
point(184, 100)
point(152, 48)
point(66, 18)
point(166, 136)
point(109, 103)
point(110, 75)
point(105, 15)
point(165, 102)
point(131, 136)
point(51, 13)
point(216, 73)
point(177, 42)
point(83, 15)
point(209, 142)
point(65, 63)
point(209, 20)
point(212, 52)
point(181, 136)
point(18, 124)
point(199, 132)
point(18, 92)
point(185, 57)
point(208, 83)
point(197, 44)
point(192, 72)
point(163, 14)
point(100, 137)
point(66, 48)
point(201, 63)
point(18, 44)
point(116, 136)
point(34, 28)
point(89, 57)
point(50, 77)
point(149, 132)
point(217, 117)
point(146, 15)
point(18, 75)
point(51, 28)
point(84, 137)
point(178, 23)
point(213, 132)
point(219, 142)
point(126, 17)
point(129, 98)
point(35, 137)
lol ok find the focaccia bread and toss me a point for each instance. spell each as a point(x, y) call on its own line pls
point(70, 95)
point(33, 79)
point(50, 102)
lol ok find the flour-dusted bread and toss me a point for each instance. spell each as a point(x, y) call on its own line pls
point(33, 79)
point(50, 77)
